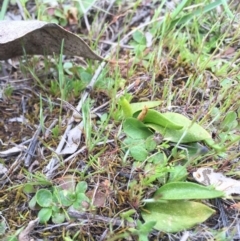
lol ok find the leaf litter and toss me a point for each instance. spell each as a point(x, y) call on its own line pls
point(40, 38)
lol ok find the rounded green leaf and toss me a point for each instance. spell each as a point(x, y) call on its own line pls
point(135, 129)
point(65, 197)
point(82, 197)
point(80, 201)
point(44, 198)
point(150, 143)
point(58, 217)
point(186, 190)
point(175, 216)
point(81, 187)
point(28, 188)
point(139, 153)
point(155, 117)
point(139, 37)
point(191, 132)
point(44, 215)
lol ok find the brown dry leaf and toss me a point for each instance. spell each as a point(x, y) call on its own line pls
point(99, 197)
point(41, 38)
point(236, 206)
point(72, 15)
point(67, 182)
point(143, 113)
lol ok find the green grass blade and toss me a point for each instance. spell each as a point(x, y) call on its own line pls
point(4, 9)
point(190, 16)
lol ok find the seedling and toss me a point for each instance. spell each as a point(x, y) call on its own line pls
point(52, 203)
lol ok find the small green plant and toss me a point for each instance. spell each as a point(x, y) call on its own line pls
point(140, 125)
point(142, 230)
point(8, 91)
point(56, 131)
point(74, 238)
point(52, 203)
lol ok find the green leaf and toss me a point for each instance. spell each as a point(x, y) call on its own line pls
point(135, 129)
point(143, 230)
point(44, 198)
point(158, 158)
point(33, 202)
point(178, 173)
point(155, 117)
point(191, 132)
point(230, 121)
point(78, 204)
point(65, 197)
point(140, 105)
point(139, 37)
point(139, 153)
point(175, 216)
point(85, 76)
point(136, 148)
point(44, 215)
point(81, 187)
point(186, 190)
point(58, 217)
point(126, 107)
point(82, 197)
point(28, 188)
point(150, 143)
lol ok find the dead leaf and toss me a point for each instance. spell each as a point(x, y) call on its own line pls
point(72, 15)
point(41, 38)
point(207, 176)
point(143, 113)
point(67, 182)
point(73, 140)
point(13, 151)
point(235, 206)
point(99, 198)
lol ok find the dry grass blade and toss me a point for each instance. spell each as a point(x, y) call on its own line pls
point(24, 235)
point(98, 218)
